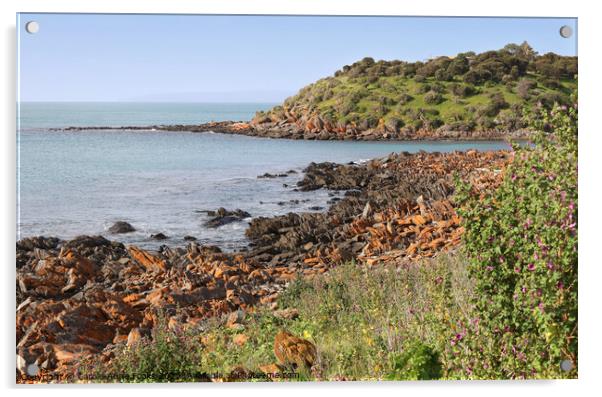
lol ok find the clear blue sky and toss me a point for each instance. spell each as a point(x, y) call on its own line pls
point(94, 57)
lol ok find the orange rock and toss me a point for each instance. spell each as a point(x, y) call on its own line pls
point(85, 266)
point(412, 248)
point(436, 243)
point(271, 369)
point(289, 314)
point(149, 261)
point(288, 276)
point(120, 339)
point(236, 317)
point(71, 352)
point(132, 298)
point(291, 350)
point(134, 336)
point(240, 339)
point(372, 261)
point(418, 220)
point(157, 295)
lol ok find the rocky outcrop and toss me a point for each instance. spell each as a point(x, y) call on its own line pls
point(312, 127)
point(399, 203)
point(73, 306)
point(77, 299)
point(300, 122)
point(223, 217)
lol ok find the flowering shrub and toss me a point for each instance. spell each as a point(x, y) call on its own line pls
point(521, 240)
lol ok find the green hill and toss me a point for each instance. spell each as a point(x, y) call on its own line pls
point(469, 95)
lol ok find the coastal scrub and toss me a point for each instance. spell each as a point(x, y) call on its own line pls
point(521, 241)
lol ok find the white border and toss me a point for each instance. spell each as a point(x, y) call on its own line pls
point(590, 329)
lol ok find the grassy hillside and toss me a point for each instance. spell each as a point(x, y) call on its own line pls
point(468, 92)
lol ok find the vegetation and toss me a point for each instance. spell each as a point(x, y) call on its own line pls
point(521, 241)
point(166, 356)
point(461, 92)
point(367, 323)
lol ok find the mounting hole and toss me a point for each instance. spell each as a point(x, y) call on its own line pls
point(33, 369)
point(566, 31)
point(32, 27)
point(566, 365)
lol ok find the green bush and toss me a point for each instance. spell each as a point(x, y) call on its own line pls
point(521, 240)
point(417, 362)
point(433, 98)
point(462, 90)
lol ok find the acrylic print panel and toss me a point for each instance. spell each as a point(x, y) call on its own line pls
point(259, 198)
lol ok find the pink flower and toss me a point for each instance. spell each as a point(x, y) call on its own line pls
point(457, 338)
point(531, 267)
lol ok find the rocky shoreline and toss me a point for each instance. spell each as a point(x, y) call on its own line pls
point(81, 298)
point(317, 129)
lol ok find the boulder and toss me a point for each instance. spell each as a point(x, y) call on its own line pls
point(291, 350)
point(223, 217)
point(159, 236)
point(121, 227)
point(134, 336)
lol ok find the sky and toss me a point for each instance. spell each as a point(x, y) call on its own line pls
point(201, 58)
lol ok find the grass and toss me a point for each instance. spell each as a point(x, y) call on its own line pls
point(377, 323)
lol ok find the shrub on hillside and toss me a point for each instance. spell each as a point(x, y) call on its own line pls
point(423, 88)
point(548, 99)
point(524, 88)
point(521, 240)
point(393, 124)
point(462, 90)
point(443, 75)
point(510, 119)
point(433, 98)
point(493, 107)
point(458, 66)
point(405, 98)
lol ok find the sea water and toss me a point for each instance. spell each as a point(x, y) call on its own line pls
point(73, 183)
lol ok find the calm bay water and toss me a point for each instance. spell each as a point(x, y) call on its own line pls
point(73, 183)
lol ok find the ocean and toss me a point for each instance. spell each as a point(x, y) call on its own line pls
point(73, 183)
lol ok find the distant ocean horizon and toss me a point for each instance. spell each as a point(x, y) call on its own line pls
point(73, 183)
point(43, 115)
